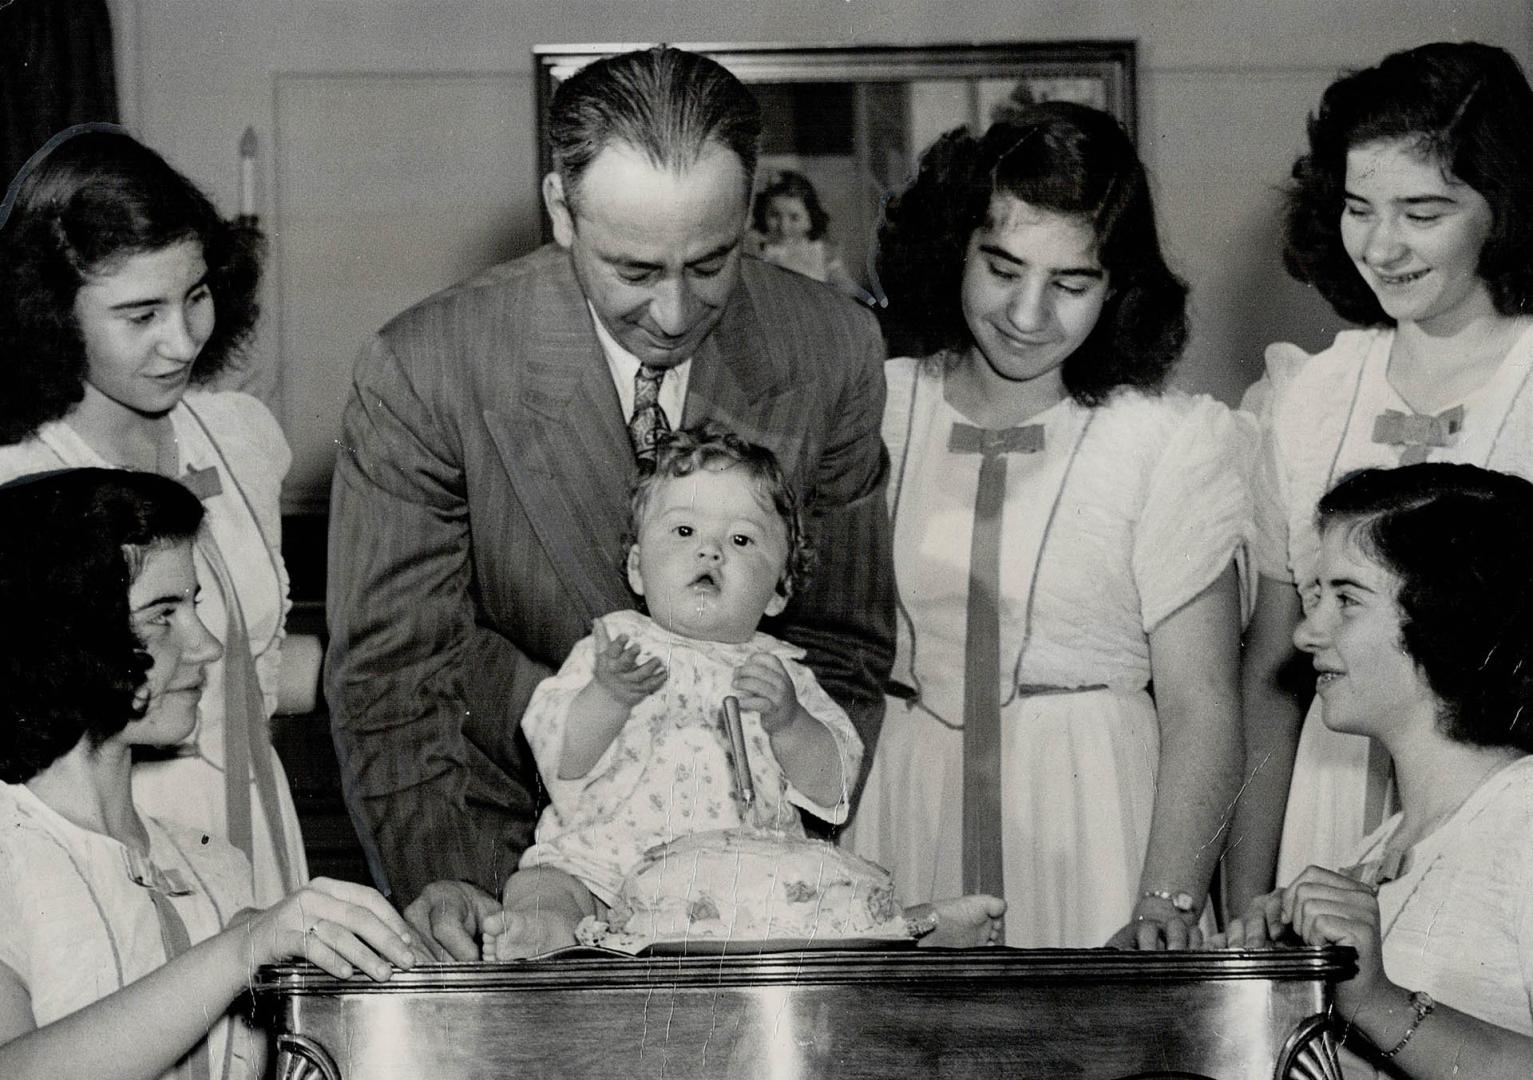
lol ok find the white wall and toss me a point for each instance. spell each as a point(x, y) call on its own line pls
point(373, 203)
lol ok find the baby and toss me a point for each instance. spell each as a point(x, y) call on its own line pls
point(629, 735)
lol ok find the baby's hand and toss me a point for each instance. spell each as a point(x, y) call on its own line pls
point(765, 688)
point(617, 670)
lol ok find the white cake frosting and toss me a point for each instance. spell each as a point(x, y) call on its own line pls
point(756, 886)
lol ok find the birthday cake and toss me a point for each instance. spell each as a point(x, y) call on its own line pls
point(750, 886)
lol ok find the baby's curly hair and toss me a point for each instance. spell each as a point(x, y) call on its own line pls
point(1055, 156)
point(91, 198)
point(1457, 538)
point(710, 444)
point(70, 662)
point(1467, 107)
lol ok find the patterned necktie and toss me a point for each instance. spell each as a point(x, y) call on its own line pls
point(982, 858)
point(648, 425)
point(1417, 433)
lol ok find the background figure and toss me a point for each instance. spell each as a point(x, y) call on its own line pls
point(127, 938)
point(1428, 656)
point(790, 226)
point(1409, 214)
point(1021, 749)
point(122, 292)
point(493, 436)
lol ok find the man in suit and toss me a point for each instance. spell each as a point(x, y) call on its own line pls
point(488, 448)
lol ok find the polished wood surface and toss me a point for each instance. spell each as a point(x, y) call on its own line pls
point(891, 1013)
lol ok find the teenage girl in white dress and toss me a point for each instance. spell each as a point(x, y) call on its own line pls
point(1028, 259)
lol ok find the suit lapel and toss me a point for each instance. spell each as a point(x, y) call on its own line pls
point(565, 447)
point(739, 381)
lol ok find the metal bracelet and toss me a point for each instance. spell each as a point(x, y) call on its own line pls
point(1422, 1002)
point(1182, 901)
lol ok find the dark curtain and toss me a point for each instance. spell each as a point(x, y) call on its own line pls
point(55, 70)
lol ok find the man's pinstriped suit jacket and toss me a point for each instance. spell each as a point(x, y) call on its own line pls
point(478, 511)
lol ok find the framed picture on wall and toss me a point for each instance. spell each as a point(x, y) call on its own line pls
point(852, 121)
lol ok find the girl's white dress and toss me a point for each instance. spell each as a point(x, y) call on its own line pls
point(1131, 510)
point(1319, 428)
point(238, 437)
point(1457, 921)
point(78, 926)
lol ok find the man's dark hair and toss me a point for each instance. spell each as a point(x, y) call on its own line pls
point(668, 104)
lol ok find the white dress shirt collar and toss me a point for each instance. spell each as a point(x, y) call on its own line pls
point(624, 366)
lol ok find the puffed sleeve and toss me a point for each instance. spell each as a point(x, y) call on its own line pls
point(1269, 487)
point(1522, 890)
point(1269, 495)
point(13, 950)
point(547, 717)
point(614, 774)
point(818, 704)
point(1196, 517)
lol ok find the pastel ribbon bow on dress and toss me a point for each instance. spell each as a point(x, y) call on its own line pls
point(983, 870)
point(1418, 433)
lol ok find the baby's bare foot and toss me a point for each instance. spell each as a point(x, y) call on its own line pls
point(516, 935)
point(964, 922)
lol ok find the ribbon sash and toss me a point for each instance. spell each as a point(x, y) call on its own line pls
point(247, 742)
point(983, 862)
point(162, 885)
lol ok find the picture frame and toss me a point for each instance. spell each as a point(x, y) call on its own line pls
point(853, 120)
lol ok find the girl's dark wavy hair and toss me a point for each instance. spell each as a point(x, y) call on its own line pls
point(1466, 106)
point(1055, 156)
point(91, 198)
point(1457, 538)
point(708, 445)
point(70, 662)
point(790, 185)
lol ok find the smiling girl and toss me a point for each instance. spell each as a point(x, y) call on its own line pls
point(1066, 532)
point(1428, 656)
point(122, 293)
point(126, 939)
point(1409, 214)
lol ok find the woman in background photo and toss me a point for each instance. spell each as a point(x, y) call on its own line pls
point(122, 294)
point(790, 226)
